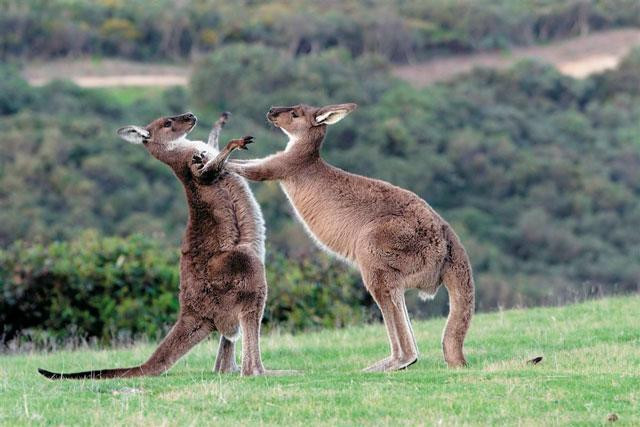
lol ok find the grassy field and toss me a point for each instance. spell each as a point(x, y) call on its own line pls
point(591, 369)
point(128, 95)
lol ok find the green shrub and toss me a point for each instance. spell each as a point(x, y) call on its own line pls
point(91, 287)
point(15, 92)
point(115, 289)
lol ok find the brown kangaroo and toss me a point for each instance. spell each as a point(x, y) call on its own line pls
point(222, 277)
point(395, 238)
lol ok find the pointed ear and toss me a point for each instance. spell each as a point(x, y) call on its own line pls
point(134, 134)
point(333, 113)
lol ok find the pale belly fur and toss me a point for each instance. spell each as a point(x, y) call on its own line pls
point(325, 236)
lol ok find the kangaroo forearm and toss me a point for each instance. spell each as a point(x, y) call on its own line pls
point(256, 170)
point(213, 136)
point(213, 167)
point(216, 128)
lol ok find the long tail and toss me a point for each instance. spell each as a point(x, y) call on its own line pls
point(186, 333)
point(95, 375)
point(458, 279)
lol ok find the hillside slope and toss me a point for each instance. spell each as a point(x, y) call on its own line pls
point(577, 57)
point(591, 369)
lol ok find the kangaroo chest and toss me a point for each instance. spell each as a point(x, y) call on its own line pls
point(223, 216)
point(322, 219)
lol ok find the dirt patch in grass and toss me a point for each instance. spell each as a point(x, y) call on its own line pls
point(108, 73)
point(578, 57)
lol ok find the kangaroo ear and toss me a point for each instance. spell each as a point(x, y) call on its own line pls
point(134, 134)
point(333, 113)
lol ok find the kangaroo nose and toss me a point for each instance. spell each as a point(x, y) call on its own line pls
point(271, 110)
point(189, 116)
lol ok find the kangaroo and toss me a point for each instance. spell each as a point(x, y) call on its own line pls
point(222, 277)
point(393, 236)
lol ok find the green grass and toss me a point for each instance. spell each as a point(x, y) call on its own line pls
point(591, 368)
point(129, 95)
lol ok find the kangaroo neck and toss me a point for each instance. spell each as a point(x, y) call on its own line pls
point(302, 154)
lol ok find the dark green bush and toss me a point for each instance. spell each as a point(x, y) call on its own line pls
point(15, 92)
point(90, 286)
point(115, 289)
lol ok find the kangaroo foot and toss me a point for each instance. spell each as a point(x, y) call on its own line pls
point(390, 364)
point(458, 362)
point(281, 372)
point(375, 366)
point(252, 371)
point(270, 372)
point(453, 355)
point(230, 368)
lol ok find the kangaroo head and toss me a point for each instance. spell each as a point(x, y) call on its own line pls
point(162, 136)
point(301, 121)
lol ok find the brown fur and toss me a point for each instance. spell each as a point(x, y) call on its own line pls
point(395, 238)
point(222, 277)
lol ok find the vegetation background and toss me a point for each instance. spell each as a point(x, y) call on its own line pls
point(538, 172)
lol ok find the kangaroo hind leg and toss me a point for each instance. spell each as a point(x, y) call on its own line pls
point(185, 334)
point(389, 295)
point(226, 358)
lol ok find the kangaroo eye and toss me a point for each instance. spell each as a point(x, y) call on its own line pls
point(167, 124)
point(294, 114)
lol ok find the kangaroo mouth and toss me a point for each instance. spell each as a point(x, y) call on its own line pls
point(274, 122)
point(271, 118)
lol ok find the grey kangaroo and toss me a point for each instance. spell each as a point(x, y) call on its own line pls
point(393, 236)
point(222, 277)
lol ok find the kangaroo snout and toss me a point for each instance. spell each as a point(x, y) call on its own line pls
point(189, 117)
point(274, 111)
point(184, 118)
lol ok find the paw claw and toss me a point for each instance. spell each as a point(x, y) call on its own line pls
point(241, 143)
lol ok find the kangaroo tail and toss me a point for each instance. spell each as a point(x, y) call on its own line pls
point(186, 333)
point(458, 279)
point(96, 375)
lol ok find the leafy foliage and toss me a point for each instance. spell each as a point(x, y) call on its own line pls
point(100, 287)
point(115, 289)
point(399, 30)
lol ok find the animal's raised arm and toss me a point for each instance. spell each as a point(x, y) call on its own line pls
point(267, 169)
point(217, 127)
point(206, 171)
